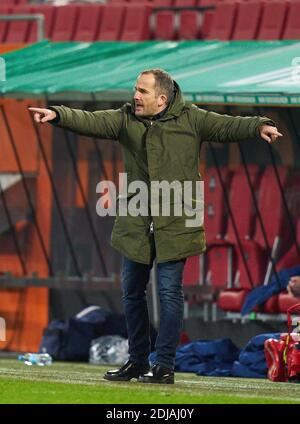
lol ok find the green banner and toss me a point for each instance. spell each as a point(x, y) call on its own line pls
point(209, 72)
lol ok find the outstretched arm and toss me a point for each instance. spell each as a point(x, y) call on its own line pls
point(102, 124)
point(212, 126)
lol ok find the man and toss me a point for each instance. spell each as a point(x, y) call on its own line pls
point(293, 287)
point(160, 138)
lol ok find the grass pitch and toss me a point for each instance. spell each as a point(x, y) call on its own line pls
point(83, 383)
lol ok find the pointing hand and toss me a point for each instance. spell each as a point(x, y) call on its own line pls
point(42, 115)
point(269, 133)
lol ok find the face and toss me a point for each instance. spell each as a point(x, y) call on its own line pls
point(146, 99)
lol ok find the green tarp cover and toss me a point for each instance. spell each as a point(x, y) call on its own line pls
point(248, 72)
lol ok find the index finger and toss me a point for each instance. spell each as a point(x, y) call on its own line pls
point(274, 131)
point(36, 109)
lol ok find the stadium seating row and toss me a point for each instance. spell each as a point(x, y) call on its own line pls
point(156, 3)
point(177, 3)
point(252, 20)
point(13, 2)
point(248, 20)
point(167, 3)
point(230, 20)
point(239, 244)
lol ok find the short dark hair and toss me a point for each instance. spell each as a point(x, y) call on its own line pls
point(164, 83)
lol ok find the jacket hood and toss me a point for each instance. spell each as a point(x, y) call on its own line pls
point(177, 103)
point(174, 108)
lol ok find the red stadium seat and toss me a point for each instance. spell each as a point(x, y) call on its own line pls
point(207, 2)
point(184, 3)
point(112, 22)
point(271, 306)
point(292, 24)
point(4, 10)
point(136, 23)
point(9, 2)
point(214, 221)
point(220, 258)
point(219, 263)
point(274, 223)
point(208, 17)
point(255, 251)
point(289, 260)
point(291, 257)
point(18, 31)
point(165, 25)
point(191, 272)
point(65, 23)
point(233, 300)
point(88, 22)
point(189, 26)
point(158, 3)
point(247, 20)
point(214, 225)
point(285, 301)
point(214, 215)
point(223, 22)
point(49, 14)
point(243, 215)
point(272, 20)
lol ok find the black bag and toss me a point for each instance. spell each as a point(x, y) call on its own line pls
point(71, 340)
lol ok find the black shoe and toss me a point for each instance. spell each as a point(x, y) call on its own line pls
point(128, 371)
point(158, 374)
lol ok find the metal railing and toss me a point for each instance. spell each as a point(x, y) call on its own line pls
point(34, 17)
point(87, 282)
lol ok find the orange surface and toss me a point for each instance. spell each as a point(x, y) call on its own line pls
point(35, 259)
point(26, 310)
point(4, 48)
point(22, 131)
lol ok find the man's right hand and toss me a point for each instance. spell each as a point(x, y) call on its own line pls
point(42, 115)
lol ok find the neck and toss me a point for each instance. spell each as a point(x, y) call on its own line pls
point(159, 110)
point(162, 108)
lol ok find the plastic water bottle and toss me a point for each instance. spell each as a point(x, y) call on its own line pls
point(40, 359)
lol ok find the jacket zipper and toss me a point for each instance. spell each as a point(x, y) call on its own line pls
point(151, 228)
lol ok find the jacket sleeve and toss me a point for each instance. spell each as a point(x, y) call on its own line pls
point(212, 126)
point(102, 123)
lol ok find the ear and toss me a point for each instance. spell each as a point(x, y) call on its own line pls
point(162, 100)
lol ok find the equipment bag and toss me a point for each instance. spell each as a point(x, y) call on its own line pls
point(283, 356)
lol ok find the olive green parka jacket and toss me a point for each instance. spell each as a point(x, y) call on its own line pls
point(165, 149)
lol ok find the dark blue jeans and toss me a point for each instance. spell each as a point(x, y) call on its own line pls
point(135, 277)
